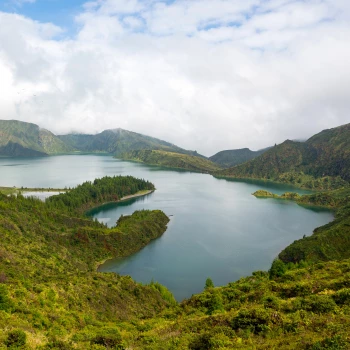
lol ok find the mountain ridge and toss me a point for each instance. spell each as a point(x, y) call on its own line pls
point(325, 155)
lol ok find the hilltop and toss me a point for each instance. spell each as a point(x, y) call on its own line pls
point(322, 162)
point(27, 139)
point(230, 158)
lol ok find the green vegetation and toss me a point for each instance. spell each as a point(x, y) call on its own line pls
point(51, 296)
point(171, 160)
point(20, 139)
point(100, 191)
point(320, 163)
point(230, 158)
point(118, 141)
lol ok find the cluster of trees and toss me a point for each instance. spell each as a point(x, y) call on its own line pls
point(99, 191)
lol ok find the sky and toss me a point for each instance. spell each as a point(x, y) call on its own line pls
point(206, 75)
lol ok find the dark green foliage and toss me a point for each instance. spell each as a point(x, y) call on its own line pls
point(171, 160)
point(16, 339)
point(277, 269)
point(98, 192)
point(230, 158)
point(342, 296)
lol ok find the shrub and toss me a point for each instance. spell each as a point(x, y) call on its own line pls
point(342, 296)
point(16, 339)
point(108, 337)
point(256, 320)
point(278, 269)
point(315, 303)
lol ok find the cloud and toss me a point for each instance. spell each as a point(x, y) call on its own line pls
point(206, 75)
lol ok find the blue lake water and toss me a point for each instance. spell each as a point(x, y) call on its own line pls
point(217, 228)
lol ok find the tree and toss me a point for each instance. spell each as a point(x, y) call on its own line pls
point(209, 283)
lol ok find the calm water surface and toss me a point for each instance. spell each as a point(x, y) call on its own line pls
point(217, 228)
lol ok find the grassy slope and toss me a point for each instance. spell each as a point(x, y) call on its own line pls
point(25, 139)
point(230, 158)
point(171, 160)
point(322, 162)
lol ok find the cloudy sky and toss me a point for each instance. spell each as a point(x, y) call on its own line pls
point(203, 74)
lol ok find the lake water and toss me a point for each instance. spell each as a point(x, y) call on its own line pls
point(217, 228)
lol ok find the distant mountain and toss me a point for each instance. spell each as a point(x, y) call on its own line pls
point(324, 156)
point(171, 160)
point(26, 139)
point(119, 141)
point(230, 158)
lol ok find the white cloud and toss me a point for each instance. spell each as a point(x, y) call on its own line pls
point(206, 75)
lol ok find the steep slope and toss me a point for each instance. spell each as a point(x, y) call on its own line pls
point(230, 158)
point(26, 139)
point(118, 141)
point(324, 156)
point(171, 160)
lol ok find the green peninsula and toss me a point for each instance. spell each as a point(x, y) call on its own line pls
point(172, 160)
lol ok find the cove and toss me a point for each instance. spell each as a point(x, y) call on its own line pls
point(217, 228)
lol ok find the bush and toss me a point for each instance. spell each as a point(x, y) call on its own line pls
point(257, 320)
point(315, 303)
point(278, 269)
point(109, 338)
point(271, 302)
point(16, 339)
point(342, 296)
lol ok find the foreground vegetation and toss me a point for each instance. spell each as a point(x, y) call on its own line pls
point(171, 160)
point(51, 296)
point(50, 293)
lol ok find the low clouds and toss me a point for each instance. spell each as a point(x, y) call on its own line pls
point(206, 75)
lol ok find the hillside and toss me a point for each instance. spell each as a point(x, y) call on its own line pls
point(322, 162)
point(52, 298)
point(171, 160)
point(230, 158)
point(117, 142)
point(25, 139)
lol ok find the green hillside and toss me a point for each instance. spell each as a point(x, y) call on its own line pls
point(322, 162)
point(25, 139)
point(171, 160)
point(117, 142)
point(51, 296)
point(230, 158)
